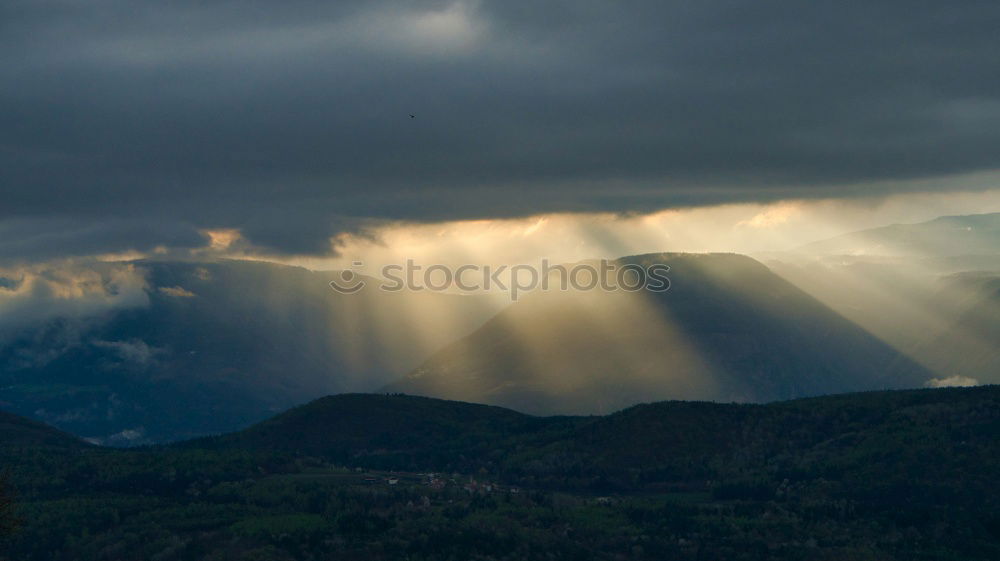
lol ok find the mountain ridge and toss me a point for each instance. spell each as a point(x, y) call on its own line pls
point(943, 236)
point(727, 330)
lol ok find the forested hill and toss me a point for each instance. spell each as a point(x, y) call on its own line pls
point(894, 475)
point(17, 431)
point(649, 443)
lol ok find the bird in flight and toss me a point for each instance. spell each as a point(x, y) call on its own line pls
point(412, 116)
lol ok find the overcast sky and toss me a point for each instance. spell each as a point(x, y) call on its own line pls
point(132, 124)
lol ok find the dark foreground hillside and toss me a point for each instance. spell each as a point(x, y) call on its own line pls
point(881, 475)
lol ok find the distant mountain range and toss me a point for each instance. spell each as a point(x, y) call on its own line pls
point(727, 330)
point(213, 346)
point(946, 236)
point(928, 289)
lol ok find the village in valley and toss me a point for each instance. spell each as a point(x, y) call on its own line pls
point(438, 482)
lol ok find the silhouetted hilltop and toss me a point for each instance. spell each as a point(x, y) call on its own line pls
point(17, 431)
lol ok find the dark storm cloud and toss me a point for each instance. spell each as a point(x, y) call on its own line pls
point(41, 238)
point(290, 120)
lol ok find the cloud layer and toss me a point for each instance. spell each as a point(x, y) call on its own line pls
point(74, 294)
point(291, 121)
